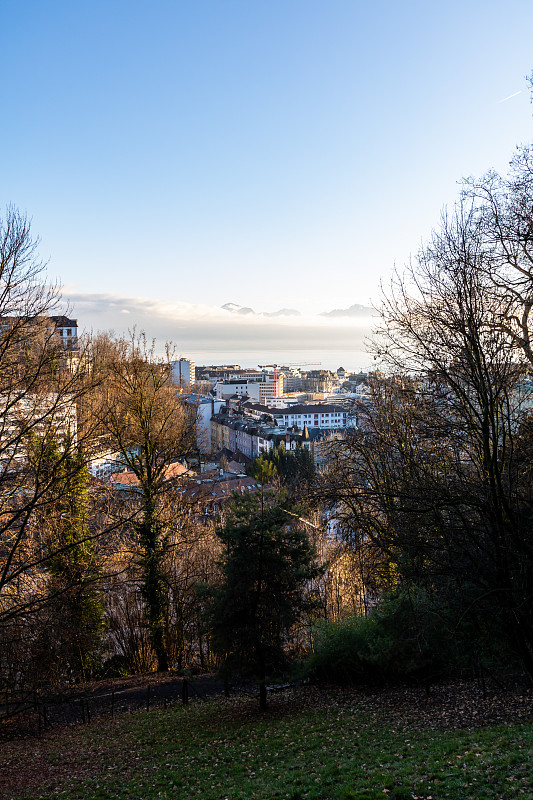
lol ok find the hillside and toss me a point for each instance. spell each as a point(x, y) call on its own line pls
point(311, 743)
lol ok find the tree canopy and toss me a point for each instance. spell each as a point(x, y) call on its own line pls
point(267, 569)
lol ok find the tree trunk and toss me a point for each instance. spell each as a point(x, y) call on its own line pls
point(262, 684)
point(153, 589)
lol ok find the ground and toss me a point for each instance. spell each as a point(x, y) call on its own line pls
point(313, 742)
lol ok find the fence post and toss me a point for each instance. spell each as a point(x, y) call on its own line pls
point(482, 679)
point(88, 709)
point(148, 699)
point(185, 691)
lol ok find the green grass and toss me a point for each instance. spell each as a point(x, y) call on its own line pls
point(340, 749)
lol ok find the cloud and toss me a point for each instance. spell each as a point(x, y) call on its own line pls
point(209, 333)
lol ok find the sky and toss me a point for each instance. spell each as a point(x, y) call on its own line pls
point(175, 157)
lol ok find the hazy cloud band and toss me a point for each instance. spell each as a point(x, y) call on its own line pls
point(197, 328)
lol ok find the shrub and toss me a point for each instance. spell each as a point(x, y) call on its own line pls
point(406, 637)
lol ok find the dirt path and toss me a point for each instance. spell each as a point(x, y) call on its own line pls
point(108, 698)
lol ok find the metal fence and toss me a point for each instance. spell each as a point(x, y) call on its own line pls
point(32, 712)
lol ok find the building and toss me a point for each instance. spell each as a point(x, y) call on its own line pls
point(225, 372)
point(67, 330)
point(257, 411)
point(252, 436)
point(325, 416)
point(127, 479)
point(270, 388)
point(210, 493)
point(103, 465)
point(319, 380)
point(261, 388)
point(34, 415)
point(206, 407)
point(240, 387)
point(292, 379)
point(183, 372)
point(323, 443)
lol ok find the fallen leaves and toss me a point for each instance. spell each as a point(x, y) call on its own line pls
point(310, 742)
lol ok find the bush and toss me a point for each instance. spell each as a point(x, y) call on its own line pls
point(407, 637)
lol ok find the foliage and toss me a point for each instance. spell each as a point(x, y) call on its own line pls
point(125, 614)
point(72, 625)
point(267, 564)
point(437, 477)
point(502, 206)
point(262, 469)
point(192, 563)
point(294, 468)
point(408, 636)
point(190, 560)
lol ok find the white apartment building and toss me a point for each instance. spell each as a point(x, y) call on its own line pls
point(64, 327)
point(260, 389)
point(317, 415)
point(286, 400)
point(37, 415)
point(206, 407)
point(241, 388)
point(228, 372)
point(292, 379)
point(270, 388)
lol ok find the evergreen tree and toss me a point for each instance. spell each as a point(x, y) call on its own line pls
point(75, 640)
point(294, 468)
point(267, 567)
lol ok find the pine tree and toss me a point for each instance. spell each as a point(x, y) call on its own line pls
point(267, 568)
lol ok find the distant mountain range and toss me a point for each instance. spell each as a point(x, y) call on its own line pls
point(356, 310)
point(245, 310)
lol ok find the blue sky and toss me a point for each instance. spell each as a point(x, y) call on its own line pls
point(177, 156)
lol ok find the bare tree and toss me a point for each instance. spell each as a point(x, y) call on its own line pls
point(435, 479)
point(503, 209)
point(39, 399)
point(145, 420)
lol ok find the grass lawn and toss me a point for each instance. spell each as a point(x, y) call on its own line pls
point(336, 746)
